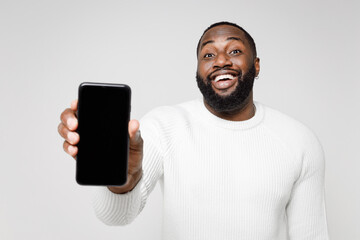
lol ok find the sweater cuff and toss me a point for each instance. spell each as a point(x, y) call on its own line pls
point(117, 209)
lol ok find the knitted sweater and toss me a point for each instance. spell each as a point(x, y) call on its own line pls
point(258, 179)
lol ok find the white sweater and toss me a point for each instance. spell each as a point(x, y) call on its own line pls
point(259, 179)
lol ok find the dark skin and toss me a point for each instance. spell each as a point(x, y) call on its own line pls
point(226, 46)
point(223, 46)
point(67, 130)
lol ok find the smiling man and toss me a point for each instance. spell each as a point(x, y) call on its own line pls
point(225, 52)
point(229, 167)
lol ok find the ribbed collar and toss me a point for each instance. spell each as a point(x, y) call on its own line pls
point(206, 116)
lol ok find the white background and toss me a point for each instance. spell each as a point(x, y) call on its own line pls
point(309, 54)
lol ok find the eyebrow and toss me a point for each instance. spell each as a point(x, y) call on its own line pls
point(228, 39)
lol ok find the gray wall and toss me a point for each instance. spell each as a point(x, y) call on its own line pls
point(309, 54)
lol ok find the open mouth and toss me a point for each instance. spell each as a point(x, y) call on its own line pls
point(224, 77)
point(224, 81)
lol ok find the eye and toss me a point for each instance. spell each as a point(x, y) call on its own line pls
point(236, 51)
point(208, 55)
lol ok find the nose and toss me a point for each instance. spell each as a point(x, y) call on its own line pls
point(222, 60)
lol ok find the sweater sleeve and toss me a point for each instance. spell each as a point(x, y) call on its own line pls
point(122, 209)
point(306, 208)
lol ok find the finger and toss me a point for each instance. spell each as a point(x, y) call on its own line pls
point(74, 105)
point(135, 136)
point(69, 119)
point(133, 128)
point(70, 149)
point(69, 136)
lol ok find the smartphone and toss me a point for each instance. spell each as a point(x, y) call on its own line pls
point(103, 117)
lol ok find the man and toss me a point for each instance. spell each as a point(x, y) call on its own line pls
point(229, 167)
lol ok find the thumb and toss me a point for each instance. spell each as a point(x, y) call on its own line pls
point(134, 133)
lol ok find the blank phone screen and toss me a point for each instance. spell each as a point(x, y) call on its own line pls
point(103, 115)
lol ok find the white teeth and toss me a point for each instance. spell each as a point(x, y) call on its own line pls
point(225, 76)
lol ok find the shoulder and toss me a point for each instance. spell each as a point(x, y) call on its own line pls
point(160, 125)
point(298, 136)
point(169, 118)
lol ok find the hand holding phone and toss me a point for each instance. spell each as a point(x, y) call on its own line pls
point(68, 130)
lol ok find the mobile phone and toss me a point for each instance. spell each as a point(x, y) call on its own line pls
point(103, 117)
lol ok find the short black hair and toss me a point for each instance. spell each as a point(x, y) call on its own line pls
point(247, 36)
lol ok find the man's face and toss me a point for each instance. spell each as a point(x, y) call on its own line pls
point(226, 68)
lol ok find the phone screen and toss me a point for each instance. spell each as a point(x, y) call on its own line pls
point(103, 117)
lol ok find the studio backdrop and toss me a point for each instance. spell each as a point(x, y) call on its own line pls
point(309, 62)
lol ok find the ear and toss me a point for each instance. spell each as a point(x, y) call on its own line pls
point(257, 66)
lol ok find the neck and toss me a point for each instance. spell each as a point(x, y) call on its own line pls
point(245, 112)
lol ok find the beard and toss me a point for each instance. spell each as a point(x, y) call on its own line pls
point(233, 102)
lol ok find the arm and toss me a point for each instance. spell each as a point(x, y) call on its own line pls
point(306, 208)
point(120, 205)
point(120, 209)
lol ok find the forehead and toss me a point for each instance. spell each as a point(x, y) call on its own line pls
point(222, 32)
